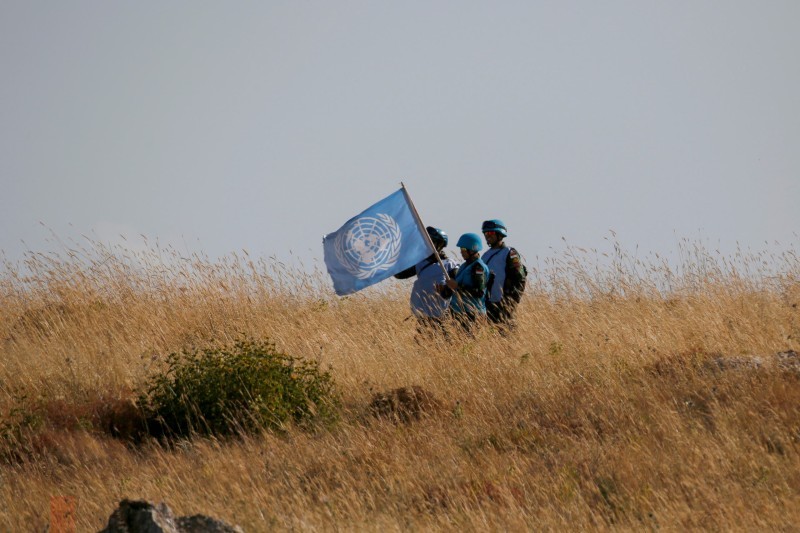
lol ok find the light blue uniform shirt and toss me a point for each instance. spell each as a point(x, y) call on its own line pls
point(495, 259)
point(425, 300)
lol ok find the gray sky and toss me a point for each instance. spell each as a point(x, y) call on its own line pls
point(221, 126)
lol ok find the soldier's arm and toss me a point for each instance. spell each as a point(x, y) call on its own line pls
point(407, 273)
point(515, 281)
point(444, 290)
point(478, 287)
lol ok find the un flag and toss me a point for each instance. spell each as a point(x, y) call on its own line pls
point(374, 245)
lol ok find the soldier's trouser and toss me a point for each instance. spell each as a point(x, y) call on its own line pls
point(501, 313)
point(468, 321)
point(431, 325)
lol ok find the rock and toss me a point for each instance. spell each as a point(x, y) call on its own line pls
point(740, 362)
point(141, 517)
point(136, 516)
point(203, 524)
point(789, 361)
point(404, 404)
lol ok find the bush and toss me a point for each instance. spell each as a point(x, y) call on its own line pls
point(17, 426)
point(244, 388)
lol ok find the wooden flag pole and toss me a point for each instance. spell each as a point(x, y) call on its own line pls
point(424, 231)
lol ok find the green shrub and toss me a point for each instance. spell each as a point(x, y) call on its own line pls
point(244, 388)
point(17, 427)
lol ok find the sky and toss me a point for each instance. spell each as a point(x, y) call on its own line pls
point(218, 127)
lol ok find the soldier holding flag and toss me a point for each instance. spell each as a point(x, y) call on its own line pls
point(428, 306)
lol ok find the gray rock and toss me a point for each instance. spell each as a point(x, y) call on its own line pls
point(740, 362)
point(203, 524)
point(136, 516)
point(788, 360)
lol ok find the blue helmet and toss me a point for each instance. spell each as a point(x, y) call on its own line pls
point(495, 225)
point(470, 241)
point(438, 237)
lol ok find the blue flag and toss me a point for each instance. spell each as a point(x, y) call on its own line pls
point(374, 245)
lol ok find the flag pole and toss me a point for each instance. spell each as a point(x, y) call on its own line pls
point(423, 230)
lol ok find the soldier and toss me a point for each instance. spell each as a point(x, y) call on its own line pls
point(468, 289)
point(427, 305)
point(507, 281)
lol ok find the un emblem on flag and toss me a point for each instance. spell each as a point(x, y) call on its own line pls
point(369, 245)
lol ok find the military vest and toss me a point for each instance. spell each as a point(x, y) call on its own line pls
point(496, 259)
point(465, 303)
point(425, 300)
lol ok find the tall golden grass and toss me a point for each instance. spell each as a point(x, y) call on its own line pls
point(611, 405)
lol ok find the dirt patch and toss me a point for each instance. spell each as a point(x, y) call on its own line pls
point(405, 404)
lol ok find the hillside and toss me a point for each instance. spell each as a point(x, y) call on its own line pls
point(633, 394)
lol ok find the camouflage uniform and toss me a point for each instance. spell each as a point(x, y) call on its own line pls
point(506, 285)
point(468, 303)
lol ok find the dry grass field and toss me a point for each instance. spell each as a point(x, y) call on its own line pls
point(634, 394)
